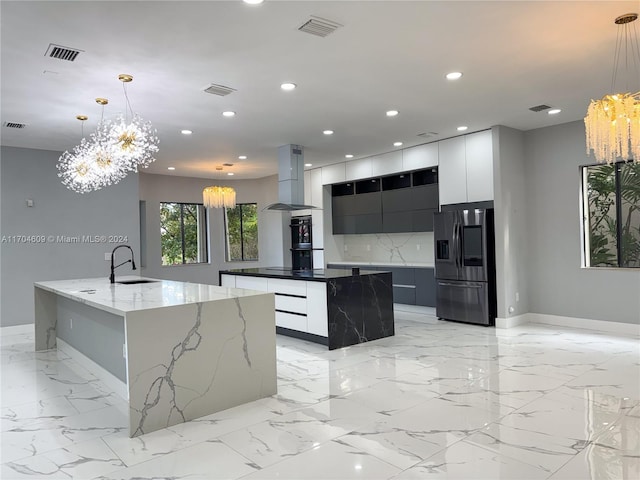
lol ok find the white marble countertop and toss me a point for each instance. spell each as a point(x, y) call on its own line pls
point(119, 299)
point(383, 264)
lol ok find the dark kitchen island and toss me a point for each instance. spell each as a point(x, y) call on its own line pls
point(331, 306)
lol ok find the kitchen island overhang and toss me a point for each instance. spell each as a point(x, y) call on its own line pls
point(190, 349)
point(336, 308)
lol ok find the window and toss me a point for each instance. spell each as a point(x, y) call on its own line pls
point(611, 206)
point(183, 233)
point(241, 226)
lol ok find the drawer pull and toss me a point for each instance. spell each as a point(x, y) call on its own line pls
point(292, 313)
point(289, 295)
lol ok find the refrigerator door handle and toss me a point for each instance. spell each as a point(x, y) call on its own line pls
point(456, 242)
point(447, 284)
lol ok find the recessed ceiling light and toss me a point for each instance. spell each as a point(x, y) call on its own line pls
point(392, 113)
point(230, 174)
point(348, 156)
point(242, 157)
point(554, 111)
point(288, 86)
point(253, 2)
point(328, 132)
point(308, 164)
point(453, 75)
point(229, 114)
point(462, 128)
point(397, 144)
point(171, 168)
point(186, 132)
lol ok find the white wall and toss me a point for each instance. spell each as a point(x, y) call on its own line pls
point(557, 283)
point(273, 235)
point(57, 211)
point(510, 194)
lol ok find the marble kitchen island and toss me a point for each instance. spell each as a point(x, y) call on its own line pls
point(181, 350)
point(332, 307)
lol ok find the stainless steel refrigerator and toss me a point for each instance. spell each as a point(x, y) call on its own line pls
point(465, 266)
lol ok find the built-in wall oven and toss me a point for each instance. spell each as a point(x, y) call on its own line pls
point(301, 243)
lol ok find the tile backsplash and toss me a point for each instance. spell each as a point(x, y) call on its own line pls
point(400, 248)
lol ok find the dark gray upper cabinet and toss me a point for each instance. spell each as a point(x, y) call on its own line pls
point(397, 203)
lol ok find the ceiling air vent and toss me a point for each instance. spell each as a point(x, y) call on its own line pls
point(62, 53)
point(318, 26)
point(14, 125)
point(220, 90)
point(540, 108)
point(428, 134)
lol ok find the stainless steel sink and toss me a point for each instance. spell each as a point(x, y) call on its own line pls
point(133, 282)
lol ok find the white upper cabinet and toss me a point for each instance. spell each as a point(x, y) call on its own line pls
point(356, 169)
point(386, 164)
point(465, 168)
point(333, 173)
point(479, 149)
point(452, 171)
point(422, 156)
point(307, 187)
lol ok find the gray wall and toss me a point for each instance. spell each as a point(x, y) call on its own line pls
point(32, 174)
point(272, 225)
point(510, 194)
point(557, 283)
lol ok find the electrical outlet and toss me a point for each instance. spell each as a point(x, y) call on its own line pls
point(345, 248)
point(368, 248)
point(124, 350)
point(107, 257)
point(418, 247)
point(71, 324)
point(517, 296)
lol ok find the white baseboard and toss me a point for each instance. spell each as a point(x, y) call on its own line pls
point(586, 323)
point(17, 329)
point(512, 321)
point(108, 378)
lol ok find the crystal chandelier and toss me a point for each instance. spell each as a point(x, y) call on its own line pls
point(113, 150)
point(613, 123)
point(133, 142)
point(218, 197)
point(89, 166)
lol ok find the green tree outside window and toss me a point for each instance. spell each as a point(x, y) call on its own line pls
point(612, 214)
point(183, 233)
point(241, 226)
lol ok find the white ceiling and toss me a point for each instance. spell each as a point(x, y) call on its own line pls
point(387, 55)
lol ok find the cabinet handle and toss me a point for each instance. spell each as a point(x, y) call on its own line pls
point(447, 284)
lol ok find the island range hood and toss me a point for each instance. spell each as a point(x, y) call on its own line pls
point(290, 180)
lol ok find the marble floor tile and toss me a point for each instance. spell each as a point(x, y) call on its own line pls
point(329, 461)
point(569, 417)
point(540, 450)
point(210, 460)
point(269, 442)
point(466, 461)
point(79, 460)
point(597, 462)
point(437, 400)
point(411, 436)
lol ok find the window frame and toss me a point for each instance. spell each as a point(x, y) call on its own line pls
point(585, 224)
point(204, 229)
point(227, 255)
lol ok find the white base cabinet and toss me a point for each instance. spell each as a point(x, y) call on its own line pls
point(300, 305)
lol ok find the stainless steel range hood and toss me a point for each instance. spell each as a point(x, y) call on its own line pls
point(290, 180)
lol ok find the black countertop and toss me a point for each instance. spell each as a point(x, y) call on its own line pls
point(316, 275)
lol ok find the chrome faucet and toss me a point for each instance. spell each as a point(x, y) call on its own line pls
point(112, 277)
